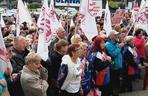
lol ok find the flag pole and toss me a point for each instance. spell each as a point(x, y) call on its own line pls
point(67, 20)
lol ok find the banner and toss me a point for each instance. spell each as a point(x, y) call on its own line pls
point(88, 23)
point(95, 7)
point(74, 3)
point(117, 18)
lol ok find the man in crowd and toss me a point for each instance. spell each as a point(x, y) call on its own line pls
point(59, 35)
point(114, 50)
point(55, 57)
point(19, 52)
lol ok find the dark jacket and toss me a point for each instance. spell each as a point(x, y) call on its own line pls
point(56, 60)
point(131, 59)
point(18, 60)
point(51, 45)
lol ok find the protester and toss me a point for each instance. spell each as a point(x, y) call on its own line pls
point(101, 63)
point(72, 82)
point(146, 67)
point(114, 50)
point(55, 62)
point(59, 35)
point(87, 66)
point(139, 43)
point(19, 52)
point(87, 78)
point(5, 70)
point(76, 39)
point(132, 62)
point(34, 76)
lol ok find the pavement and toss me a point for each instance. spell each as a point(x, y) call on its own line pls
point(137, 87)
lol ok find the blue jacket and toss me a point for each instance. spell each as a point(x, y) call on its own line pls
point(114, 51)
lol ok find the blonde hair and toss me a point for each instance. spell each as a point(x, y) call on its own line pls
point(32, 58)
point(74, 38)
point(83, 45)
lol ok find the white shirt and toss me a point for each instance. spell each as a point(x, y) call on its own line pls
point(74, 82)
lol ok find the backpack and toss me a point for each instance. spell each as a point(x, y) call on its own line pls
point(63, 72)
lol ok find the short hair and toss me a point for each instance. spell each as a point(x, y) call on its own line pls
point(72, 48)
point(138, 31)
point(128, 39)
point(18, 38)
point(60, 44)
point(74, 38)
point(96, 45)
point(32, 58)
point(83, 45)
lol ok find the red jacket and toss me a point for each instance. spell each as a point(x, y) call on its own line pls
point(139, 43)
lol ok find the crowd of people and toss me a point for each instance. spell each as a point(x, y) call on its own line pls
point(75, 66)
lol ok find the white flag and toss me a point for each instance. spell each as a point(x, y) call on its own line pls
point(44, 32)
point(142, 20)
point(2, 21)
point(72, 23)
point(4, 61)
point(88, 23)
point(53, 19)
point(135, 12)
point(22, 15)
point(107, 20)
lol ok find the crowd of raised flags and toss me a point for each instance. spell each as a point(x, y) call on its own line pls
point(48, 25)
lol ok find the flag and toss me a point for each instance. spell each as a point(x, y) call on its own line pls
point(53, 19)
point(88, 23)
point(4, 61)
point(44, 32)
point(135, 12)
point(22, 15)
point(71, 23)
point(107, 20)
point(25, 4)
point(2, 22)
point(142, 20)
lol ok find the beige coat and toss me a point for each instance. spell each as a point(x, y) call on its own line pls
point(34, 84)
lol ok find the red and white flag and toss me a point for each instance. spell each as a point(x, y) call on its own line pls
point(53, 19)
point(107, 20)
point(88, 23)
point(135, 12)
point(142, 19)
point(4, 60)
point(44, 31)
point(22, 15)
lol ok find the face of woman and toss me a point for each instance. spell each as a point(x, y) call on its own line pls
point(131, 42)
point(77, 53)
point(140, 35)
point(102, 45)
point(35, 66)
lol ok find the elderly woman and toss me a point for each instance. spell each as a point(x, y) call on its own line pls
point(131, 60)
point(34, 76)
point(72, 81)
point(101, 62)
point(76, 39)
